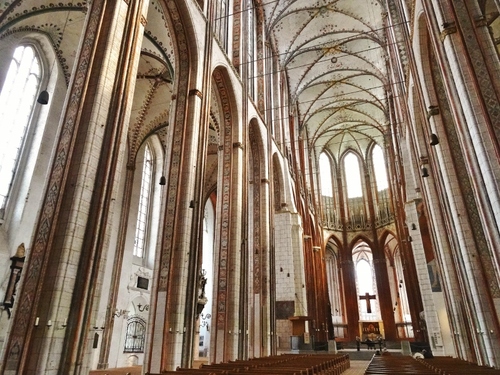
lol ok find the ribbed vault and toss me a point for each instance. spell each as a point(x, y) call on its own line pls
point(333, 54)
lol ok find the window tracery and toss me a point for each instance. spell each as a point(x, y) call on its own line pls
point(17, 100)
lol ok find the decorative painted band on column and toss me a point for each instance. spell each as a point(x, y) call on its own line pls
point(178, 135)
point(255, 176)
point(236, 34)
point(222, 288)
point(24, 317)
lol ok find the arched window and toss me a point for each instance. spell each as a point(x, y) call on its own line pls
point(365, 282)
point(379, 168)
point(221, 14)
point(135, 336)
point(17, 100)
point(325, 172)
point(364, 273)
point(330, 214)
point(352, 176)
point(251, 48)
point(144, 204)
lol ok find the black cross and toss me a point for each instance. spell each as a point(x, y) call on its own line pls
point(368, 297)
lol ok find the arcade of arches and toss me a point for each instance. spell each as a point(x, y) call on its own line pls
point(188, 180)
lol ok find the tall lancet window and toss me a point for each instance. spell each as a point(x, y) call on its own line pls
point(382, 203)
point(251, 48)
point(355, 204)
point(379, 168)
point(325, 171)
point(220, 22)
point(17, 100)
point(366, 283)
point(144, 204)
point(352, 176)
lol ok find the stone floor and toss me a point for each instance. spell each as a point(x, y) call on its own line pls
point(361, 359)
point(357, 368)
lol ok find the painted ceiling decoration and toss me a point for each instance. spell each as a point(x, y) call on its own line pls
point(331, 50)
point(333, 53)
point(62, 24)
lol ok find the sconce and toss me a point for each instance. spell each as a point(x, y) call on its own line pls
point(15, 274)
point(434, 140)
point(163, 180)
point(142, 308)
point(43, 97)
point(424, 162)
point(433, 110)
point(119, 313)
point(205, 321)
point(191, 204)
point(413, 226)
point(202, 299)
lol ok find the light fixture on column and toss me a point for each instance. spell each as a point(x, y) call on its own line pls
point(43, 97)
point(434, 140)
point(424, 162)
point(163, 180)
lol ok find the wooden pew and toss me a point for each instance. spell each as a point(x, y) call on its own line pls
point(397, 365)
point(286, 364)
point(451, 366)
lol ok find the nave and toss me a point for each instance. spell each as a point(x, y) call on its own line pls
point(234, 179)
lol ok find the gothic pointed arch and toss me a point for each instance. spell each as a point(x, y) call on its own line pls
point(259, 244)
point(336, 291)
point(227, 264)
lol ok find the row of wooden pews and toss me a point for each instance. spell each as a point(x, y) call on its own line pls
point(285, 364)
point(381, 365)
point(451, 366)
point(388, 364)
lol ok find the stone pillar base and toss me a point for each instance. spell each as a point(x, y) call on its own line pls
point(332, 346)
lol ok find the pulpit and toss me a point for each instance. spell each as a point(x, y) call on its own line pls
point(301, 338)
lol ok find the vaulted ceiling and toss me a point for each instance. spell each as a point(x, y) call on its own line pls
point(331, 50)
point(333, 53)
point(62, 24)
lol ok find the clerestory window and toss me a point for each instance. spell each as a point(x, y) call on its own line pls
point(17, 100)
point(144, 204)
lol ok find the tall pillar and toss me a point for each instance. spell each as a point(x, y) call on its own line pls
point(176, 290)
point(469, 105)
point(380, 266)
point(170, 342)
point(235, 332)
point(71, 240)
point(291, 296)
point(227, 330)
point(384, 295)
point(351, 296)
